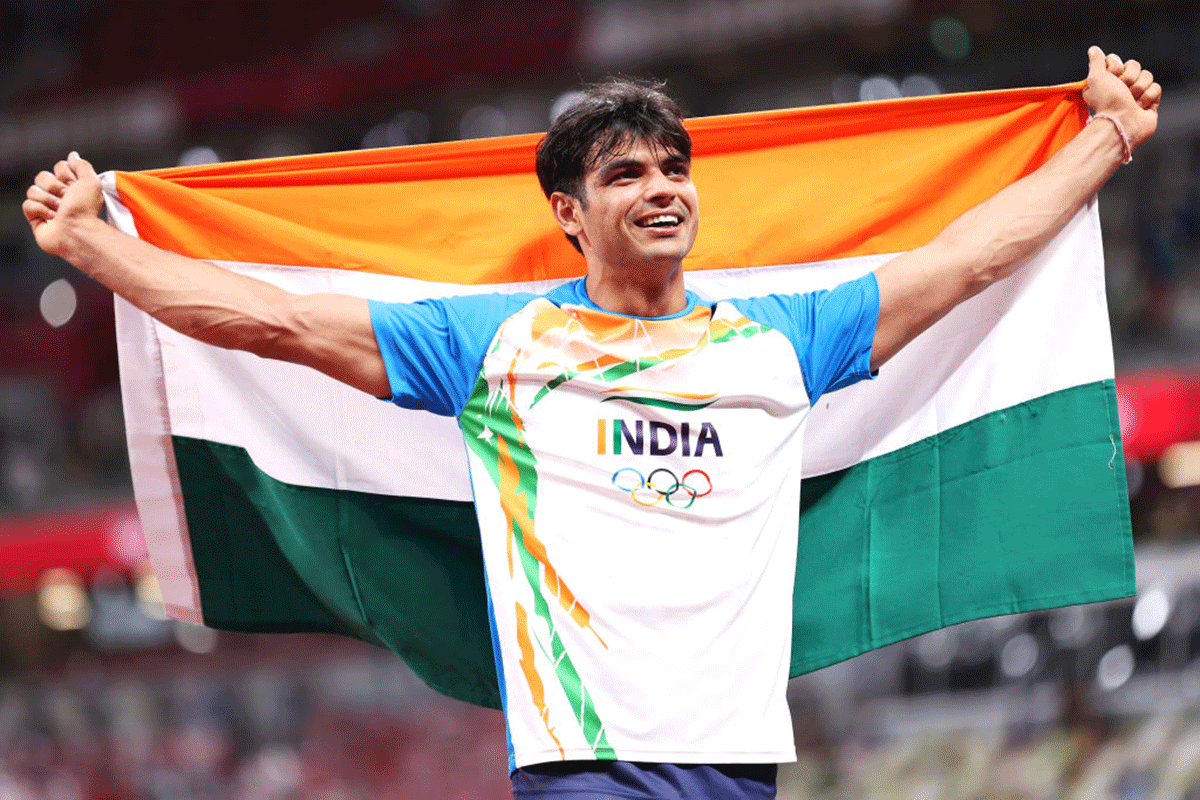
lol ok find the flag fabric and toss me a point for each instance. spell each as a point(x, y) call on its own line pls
point(980, 474)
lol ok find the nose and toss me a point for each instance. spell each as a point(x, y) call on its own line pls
point(659, 187)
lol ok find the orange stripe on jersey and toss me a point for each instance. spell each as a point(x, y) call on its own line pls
point(537, 689)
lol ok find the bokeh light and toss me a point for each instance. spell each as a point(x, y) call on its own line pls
point(58, 303)
point(1115, 668)
point(950, 38)
point(62, 600)
point(1150, 613)
point(1019, 656)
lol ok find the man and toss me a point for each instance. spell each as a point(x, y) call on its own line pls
point(634, 451)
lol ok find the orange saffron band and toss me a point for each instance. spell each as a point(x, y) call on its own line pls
point(776, 187)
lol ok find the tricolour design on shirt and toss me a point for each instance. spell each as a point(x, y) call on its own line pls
point(548, 368)
point(273, 499)
point(495, 432)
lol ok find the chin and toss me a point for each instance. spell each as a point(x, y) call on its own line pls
point(673, 254)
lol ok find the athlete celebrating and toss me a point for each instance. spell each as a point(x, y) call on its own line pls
point(635, 451)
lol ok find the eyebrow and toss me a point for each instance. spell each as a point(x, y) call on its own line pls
point(617, 166)
point(624, 163)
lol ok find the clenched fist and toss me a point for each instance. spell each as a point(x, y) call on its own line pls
point(1125, 91)
point(57, 200)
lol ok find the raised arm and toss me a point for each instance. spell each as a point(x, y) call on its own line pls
point(331, 333)
point(993, 239)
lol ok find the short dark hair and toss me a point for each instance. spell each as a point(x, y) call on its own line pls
point(611, 115)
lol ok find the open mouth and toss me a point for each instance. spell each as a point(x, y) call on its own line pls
point(660, 221)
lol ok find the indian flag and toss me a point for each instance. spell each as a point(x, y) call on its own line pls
point(980, 474)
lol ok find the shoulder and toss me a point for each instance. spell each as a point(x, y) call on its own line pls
point(572, 292)
point(797, 312)
point(831, 330)
point(432, 348)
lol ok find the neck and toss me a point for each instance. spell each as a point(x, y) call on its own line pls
point(645, 294)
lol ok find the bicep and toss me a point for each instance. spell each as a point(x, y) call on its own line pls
point(432, 349)
point(332, 333)
point(916, 289)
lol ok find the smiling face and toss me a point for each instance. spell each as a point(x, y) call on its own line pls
point(638, 209)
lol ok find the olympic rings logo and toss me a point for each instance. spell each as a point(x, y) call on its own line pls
point(661, 484)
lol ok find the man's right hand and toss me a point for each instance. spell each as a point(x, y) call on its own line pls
point(59, 199)
point(328, 332)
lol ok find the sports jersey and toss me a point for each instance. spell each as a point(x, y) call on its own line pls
point(637, 485)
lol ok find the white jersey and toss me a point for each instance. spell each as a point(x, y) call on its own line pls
point(637, 485)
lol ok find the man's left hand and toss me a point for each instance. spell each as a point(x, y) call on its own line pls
point(1125, 91)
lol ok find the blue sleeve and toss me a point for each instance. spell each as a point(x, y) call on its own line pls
point(831, 330)
point(433, 348)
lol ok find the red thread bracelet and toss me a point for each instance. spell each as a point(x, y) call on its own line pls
point(1120, 132)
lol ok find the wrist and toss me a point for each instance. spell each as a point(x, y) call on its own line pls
point(79, 236)
point(1120, 129)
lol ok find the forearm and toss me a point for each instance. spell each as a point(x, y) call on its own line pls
point(993, 239)
point(328, 332)
point(195, 297)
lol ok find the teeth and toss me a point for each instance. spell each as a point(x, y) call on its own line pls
point(669, 219)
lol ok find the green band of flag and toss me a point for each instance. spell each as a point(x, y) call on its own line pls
point(978, 531)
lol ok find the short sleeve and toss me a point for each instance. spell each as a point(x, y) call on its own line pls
point(433, 349)
point(831, 330)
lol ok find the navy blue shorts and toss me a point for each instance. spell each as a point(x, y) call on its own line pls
point(627, 780)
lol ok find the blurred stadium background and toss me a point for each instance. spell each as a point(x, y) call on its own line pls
point(102, 697)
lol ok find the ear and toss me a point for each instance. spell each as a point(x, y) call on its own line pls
point(567, 214)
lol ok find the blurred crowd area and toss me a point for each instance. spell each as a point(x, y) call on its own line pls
point(102, 697)
point(267, 718)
